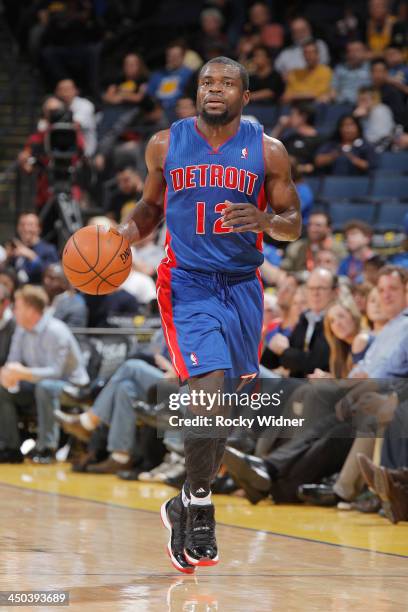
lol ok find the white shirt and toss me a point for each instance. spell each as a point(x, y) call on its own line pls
point(83, 112)
point(292, 58)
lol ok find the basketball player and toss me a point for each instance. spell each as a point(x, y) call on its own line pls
point(212, 177)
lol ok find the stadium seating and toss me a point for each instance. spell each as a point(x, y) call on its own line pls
point(391, 216)
point(341, 212)
point(390, 187)
point(345, 187)
point(392, 163)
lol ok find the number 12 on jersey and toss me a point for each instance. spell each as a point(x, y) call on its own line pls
point(218, 223)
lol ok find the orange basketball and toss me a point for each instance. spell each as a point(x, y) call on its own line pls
point(97, 259)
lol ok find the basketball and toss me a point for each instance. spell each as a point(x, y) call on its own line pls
point(97, 260)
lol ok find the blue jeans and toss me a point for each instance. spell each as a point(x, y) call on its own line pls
point(114, 404)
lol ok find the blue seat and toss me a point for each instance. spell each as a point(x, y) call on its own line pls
point(314, 183)
point(342, 212)
point(390, 187)
point(345, 187)
point(395, 163)
point(267, 115)
point(328, 115)
point(391, 216)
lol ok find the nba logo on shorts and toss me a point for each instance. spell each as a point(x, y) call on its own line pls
point(194, 359)
point(244, 153)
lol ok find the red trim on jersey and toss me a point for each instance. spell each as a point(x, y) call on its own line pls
point(164, 301)
point(204, 137)
point(262, 204)
point(260, 346)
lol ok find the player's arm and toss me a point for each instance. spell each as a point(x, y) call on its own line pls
point(148, 211)
point(285, 223)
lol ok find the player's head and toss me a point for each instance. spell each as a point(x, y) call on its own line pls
point(222, 90)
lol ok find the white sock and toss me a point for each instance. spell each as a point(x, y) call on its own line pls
point(120, 457)
point(200, 501)
point(86, 421)
point(184, 498)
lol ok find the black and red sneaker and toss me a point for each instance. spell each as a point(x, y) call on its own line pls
point(200, 544)
point(174, 517)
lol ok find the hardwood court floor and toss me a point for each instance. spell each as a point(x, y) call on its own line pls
point(101, 539)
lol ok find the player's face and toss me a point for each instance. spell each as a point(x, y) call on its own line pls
point(220, 94)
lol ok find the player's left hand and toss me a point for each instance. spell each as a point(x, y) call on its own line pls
point(245, 218)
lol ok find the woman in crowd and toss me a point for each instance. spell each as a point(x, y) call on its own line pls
point(347, 154)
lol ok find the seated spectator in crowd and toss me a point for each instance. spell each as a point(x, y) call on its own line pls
point(327, 259)
point(342, 325)
point(114, 407)
point(299, 136)
point(34, 158)
point(379, 26)
point(130, 87)
point(27, 253)
point(167, 85)
point(390, 95)
point(259, 29)
point(68, 43)
point(376, 118)
point(43, 357)
point(376, 320)
point(397, 68)
point(126, 188)
point(304, 192)
point(399, 37)
point(211, 34)
point(7, 324)
point(360, 292)
point(83, 112)
point(66, 304)
point(301, 255)
point(371, 267)
point(346, 154)
point(265, 83)
point(293, 57)
point(358, 237)
point(347, 29)
point(312, 82)
point(103, 309)
point(147, 254)
point(306, 349)
point(9, 278)
point(353, 74)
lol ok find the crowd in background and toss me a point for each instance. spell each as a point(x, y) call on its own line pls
point(335, 317)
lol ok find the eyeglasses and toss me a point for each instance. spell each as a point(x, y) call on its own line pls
point(318, 288)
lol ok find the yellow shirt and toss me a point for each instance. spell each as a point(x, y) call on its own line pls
point(302, 81)
point(378, 40)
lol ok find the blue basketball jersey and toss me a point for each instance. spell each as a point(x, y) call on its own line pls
point(199, 179)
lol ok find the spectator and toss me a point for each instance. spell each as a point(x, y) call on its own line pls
point(358, 240)
point(185, 107)
point(9, 278)
point(293, 57)
point(114, 407)
point(348, 29)
point(353, 74)
point(43, 357)
point(299, 136)
point(360, 294)
point(69, 43)
point(28, 254)
point(399, 36)
point(301, 255)
point(83, 112)
point(265, 84)
point(259, 29)
point(126, 188)
point(306, 349)
point(167, 85)
point(390, 95)
point(312, 82)
point(371, 266)
point(131, 86)
point(327, 259)
point(342, 325)
point(376, 118)
point(346, 154)
point(66, 304)
point(147, 255)
point(104, 309)
point(379, 26)
point(304, 192)
point(211, 35)
point(7, 324)
point(34, 156)
point(397, 69)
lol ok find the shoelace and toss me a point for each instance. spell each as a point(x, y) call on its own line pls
point(202, 533)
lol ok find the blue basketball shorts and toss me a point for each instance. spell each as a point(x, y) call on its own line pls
point(211, 321)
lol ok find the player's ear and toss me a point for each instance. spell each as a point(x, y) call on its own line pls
point(245, 97)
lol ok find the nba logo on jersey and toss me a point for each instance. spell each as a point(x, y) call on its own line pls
point(244, 153)
point(194, 359)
